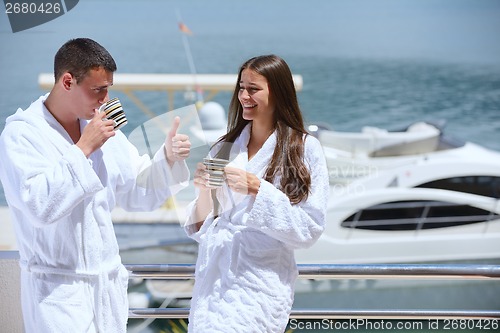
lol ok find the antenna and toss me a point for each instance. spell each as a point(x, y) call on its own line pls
point(185, 33)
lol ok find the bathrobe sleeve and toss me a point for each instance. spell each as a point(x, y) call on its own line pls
point(38, 179)
point(190, 225)
point(153, 181)
point(300, 225)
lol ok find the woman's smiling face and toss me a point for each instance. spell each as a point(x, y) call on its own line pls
point(255, 97)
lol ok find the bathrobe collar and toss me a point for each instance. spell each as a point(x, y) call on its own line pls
point(261, 159)
point(36, 113)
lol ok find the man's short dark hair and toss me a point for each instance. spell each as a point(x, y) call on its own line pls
point(78, 56)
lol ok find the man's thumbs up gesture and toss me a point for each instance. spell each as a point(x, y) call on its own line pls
point(177, 146)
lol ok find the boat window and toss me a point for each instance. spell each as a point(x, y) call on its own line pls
point(416, 215)
point(488, 186)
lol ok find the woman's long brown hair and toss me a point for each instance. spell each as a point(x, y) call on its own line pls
point(287, 161)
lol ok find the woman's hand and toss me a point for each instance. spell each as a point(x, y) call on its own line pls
point(241, 181)
point(201, 178)
point(204, 203)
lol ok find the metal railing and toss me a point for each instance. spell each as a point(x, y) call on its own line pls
point(306, 271)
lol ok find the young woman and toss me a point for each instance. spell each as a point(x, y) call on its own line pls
point(273, 201)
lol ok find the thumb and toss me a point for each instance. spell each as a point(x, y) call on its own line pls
point(175, 126)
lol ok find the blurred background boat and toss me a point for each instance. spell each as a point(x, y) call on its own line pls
point(414, 195)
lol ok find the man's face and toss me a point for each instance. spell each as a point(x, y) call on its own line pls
point(91, 92)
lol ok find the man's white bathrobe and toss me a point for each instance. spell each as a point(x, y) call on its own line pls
point(72, 279)
point(246, 270)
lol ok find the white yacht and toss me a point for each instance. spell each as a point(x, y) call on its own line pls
point(408, 196)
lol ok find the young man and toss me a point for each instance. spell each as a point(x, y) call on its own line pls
point(63, 169)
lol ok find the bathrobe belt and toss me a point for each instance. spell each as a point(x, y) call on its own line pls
point(78, 273)
point(100, 277)
point(224, 233)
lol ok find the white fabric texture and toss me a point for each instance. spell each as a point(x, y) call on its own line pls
point(61, 202)
point(246, 270)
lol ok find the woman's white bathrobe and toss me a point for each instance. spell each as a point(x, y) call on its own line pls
point(246, 270)
point(72, 278)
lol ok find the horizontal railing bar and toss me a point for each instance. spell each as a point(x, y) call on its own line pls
point(161, 271)
point(183, 313)
point(434, 271)
point(341, 271)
